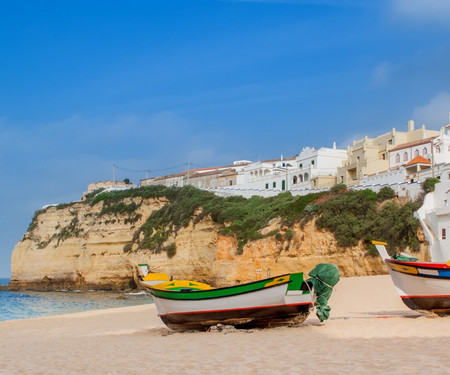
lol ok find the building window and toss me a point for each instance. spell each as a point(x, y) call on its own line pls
point(294, 180)
point(301, 165)
point(312, 162)
point(405, 156)
point(424, 151)
point(284, 164)
point(274, 185)
point(438, 150)
point(231, 183)
point(416, 153)
point(383, 156)
point(267, 186)
point(301, 177)
point(390, 142)
point(443, 233)
point(397, 158)
point(306, 176)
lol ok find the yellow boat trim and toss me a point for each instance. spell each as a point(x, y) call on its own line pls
point(175, 284)
point(379, 243)
point(404, 269)
point(156, 276)
point(278, 280)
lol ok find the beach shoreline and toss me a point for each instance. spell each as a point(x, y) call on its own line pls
point(370, 331)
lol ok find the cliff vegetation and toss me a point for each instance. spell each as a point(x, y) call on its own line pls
point(352, 216)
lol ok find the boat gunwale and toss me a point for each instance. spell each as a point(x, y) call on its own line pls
point(409, 264)
point(427, 265)
point(194, 295)
point(198, 293)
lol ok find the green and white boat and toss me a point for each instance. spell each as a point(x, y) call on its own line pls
point(184, 305)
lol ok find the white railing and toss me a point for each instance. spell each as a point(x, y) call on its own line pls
point(402, 189)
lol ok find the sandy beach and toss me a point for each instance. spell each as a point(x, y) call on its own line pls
point(370, 332)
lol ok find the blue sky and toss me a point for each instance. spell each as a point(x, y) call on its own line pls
point(149, 85)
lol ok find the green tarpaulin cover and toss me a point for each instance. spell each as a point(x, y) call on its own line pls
point(324, 277)
point(405, 258)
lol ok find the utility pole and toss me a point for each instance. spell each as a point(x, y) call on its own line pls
point(287, 178)
point(432, 158)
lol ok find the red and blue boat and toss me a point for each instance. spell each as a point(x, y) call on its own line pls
point(421, 285)
point(426, 285)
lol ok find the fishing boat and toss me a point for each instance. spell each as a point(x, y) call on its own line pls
point(284, 299)
point(421, 285)
point(425, 285)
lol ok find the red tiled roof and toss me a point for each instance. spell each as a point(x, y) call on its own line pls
point(419, 160)
point(412, 144)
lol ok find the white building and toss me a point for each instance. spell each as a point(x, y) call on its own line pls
point(310, 169)
point(267, 174)
point(213, 177)
point(318, 168)
point(415, 161)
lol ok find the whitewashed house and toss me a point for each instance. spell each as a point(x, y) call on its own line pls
point(310, 169)
point(317, 168)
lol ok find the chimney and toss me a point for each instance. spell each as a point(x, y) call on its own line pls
point(410, 125)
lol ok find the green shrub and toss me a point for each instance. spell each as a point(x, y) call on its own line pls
point(338, 188)
point(34, 221)
point(279, 237)
point(288, 235)
point(353, 217)
point(428, 184)
point(93, 193)
point(385, 193)
point(244, 217)
point(127, 248)
point(171, 250)
point(396, 225)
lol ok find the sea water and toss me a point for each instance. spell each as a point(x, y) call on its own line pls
point(24, 305)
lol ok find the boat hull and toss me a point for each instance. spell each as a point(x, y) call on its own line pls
point(423, 286)
point(267, 302)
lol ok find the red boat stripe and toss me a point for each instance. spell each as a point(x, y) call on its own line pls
point(417, 264)
point(437, 296)
point(242, 308)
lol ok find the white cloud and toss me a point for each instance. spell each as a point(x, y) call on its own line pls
point(422, 11)
point(381, 74)
point(435, 113)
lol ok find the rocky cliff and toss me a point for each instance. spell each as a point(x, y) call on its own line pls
point(76, 247)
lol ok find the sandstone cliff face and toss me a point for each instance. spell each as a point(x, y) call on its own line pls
point(76, 248)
